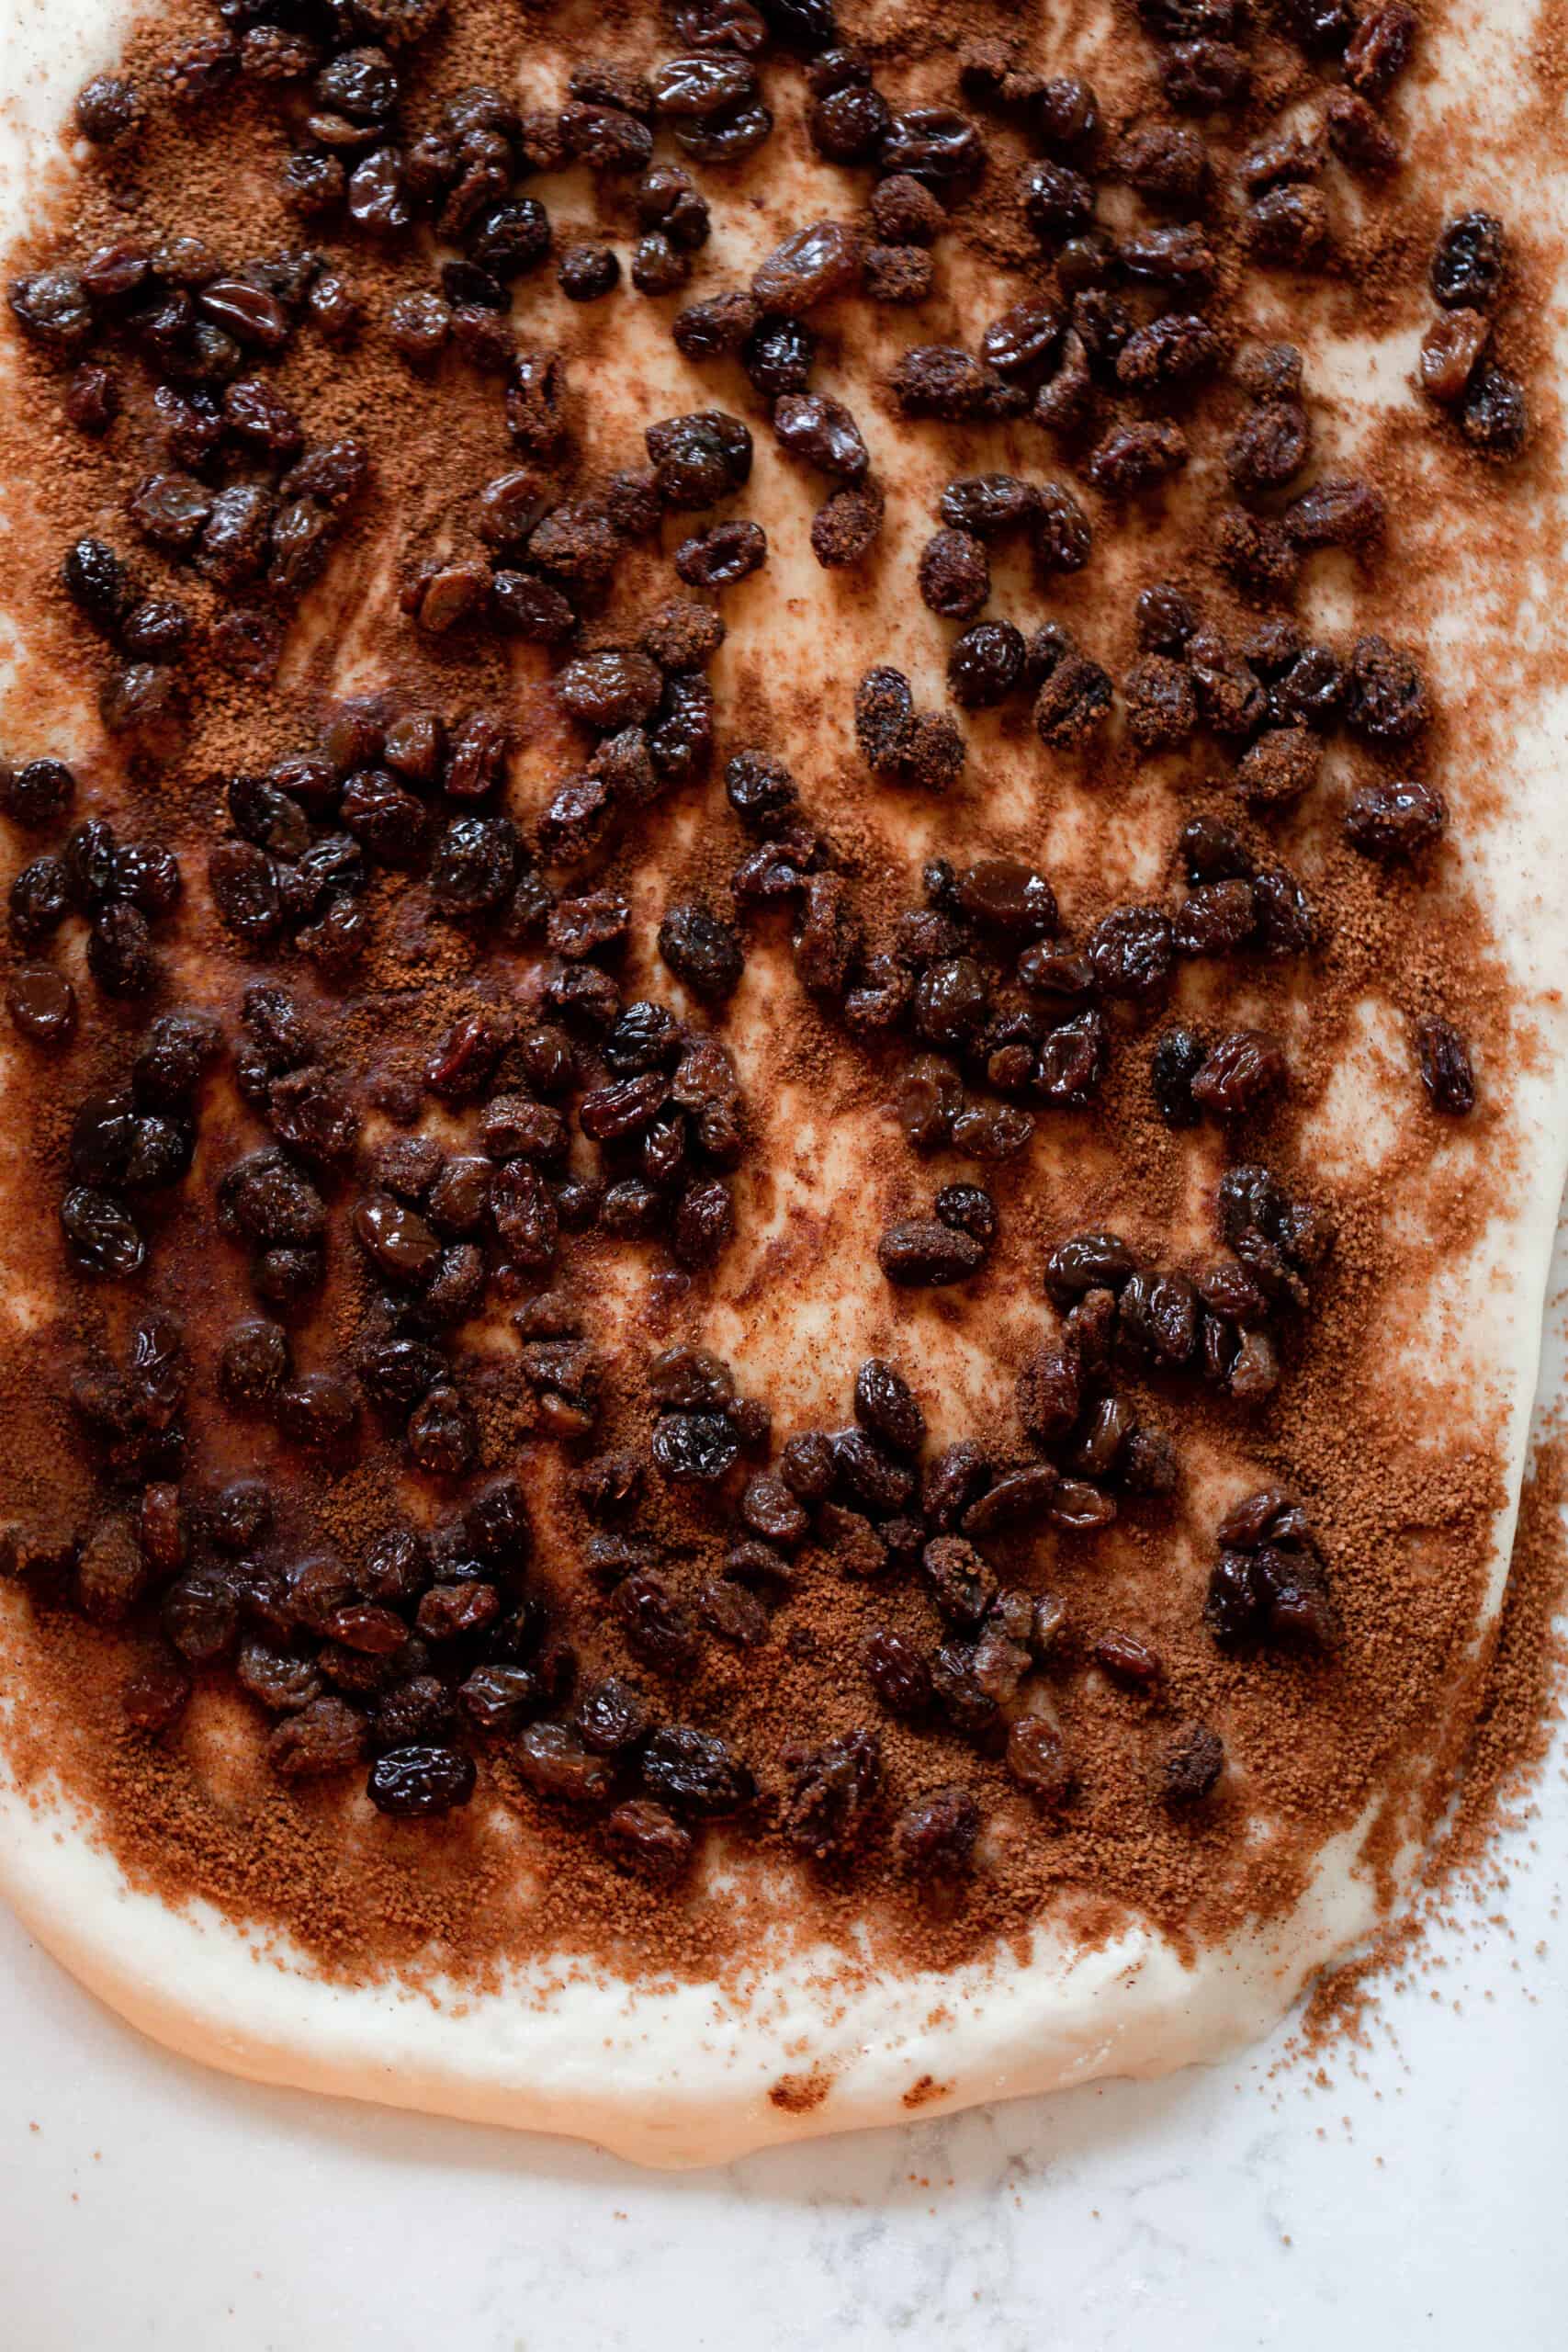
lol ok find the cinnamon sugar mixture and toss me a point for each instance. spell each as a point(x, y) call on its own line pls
point(733, 697)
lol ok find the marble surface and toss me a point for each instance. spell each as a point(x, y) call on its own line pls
point(1413, 2201)
point(1410, 2198)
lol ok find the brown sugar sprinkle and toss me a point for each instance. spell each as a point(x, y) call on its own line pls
point(391, 1472)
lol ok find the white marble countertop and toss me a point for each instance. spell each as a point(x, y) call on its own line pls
point(1413, 2199)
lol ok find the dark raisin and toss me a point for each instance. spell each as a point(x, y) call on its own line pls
point(723, 555)
point(1134, 457)
point(1287, 226)
point(1129, 952)
point(935, 1839)
point(1075, 694)
point(934, 380)
point(700, 458)
point(1388, 821)
point(201, 1617)
point(693, 1772)
point(823, 431)
point(421, 1781)
point(1494, 415)
point(925, 1253)
point(703, 952)
point(697, 1446)
point(38, 901)
point(1469, 263)
point(1057, 201)
point(986, 664)
point(1443, 1059)
point(586, 273)
point(1387, 699)
point(1242, 1070)
point(935, 144)
point(832, 1791)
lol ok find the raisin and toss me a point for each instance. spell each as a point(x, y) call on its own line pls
point(924, 1253)
point(870, 1476)
point(1494, 415)
point(1279, 767)
point(937, 380)
point(1087, 1262)
point(1075, 694)
point(1451, 353)
point(586, 273)
point(613, 688)
point(421, 1781)
point(900, 1674)
point(475, 864)
point(951, 1001)
point(1323, 27)
point(935, 1839)
point(1059, 202)
point(935, 144)
point(811, 266)
point(611, 1717)
point(1165, 619)
point(646, 1834)
point(691, 1772)
point(1336, 514)
point(906, 211)
point(1062, 533)
point(986, 505)
point(1055, 974)
point(1390, 822)
point(823, 431)
point(1037, 1760)
point(1270, 447)
point(1287, 226)
point(1162, 707)
point(52, 310)
point(771, 1510)
point(1287, 156)
point(1443, 1059)
point(897, 273)
point(1358, 137)
point(1216, 918)
point(832, 1791)
point(1129, 952)
point(1387, 699)
point(555, 1764)
point(1179, 257)
point(987, 663)
point(1241, 1071)
point(1470, 262)
point(1165, 162)
point(735, 1614)
point(1004, 896)
point(700, 458)
point(1202, 76)
point(1230, 696)
point(1177, 348)
point(1192, 1761)
point(700, 1447)
point(723, 555)
point(703, 952)
point(885, 717)
point(43, 1004)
